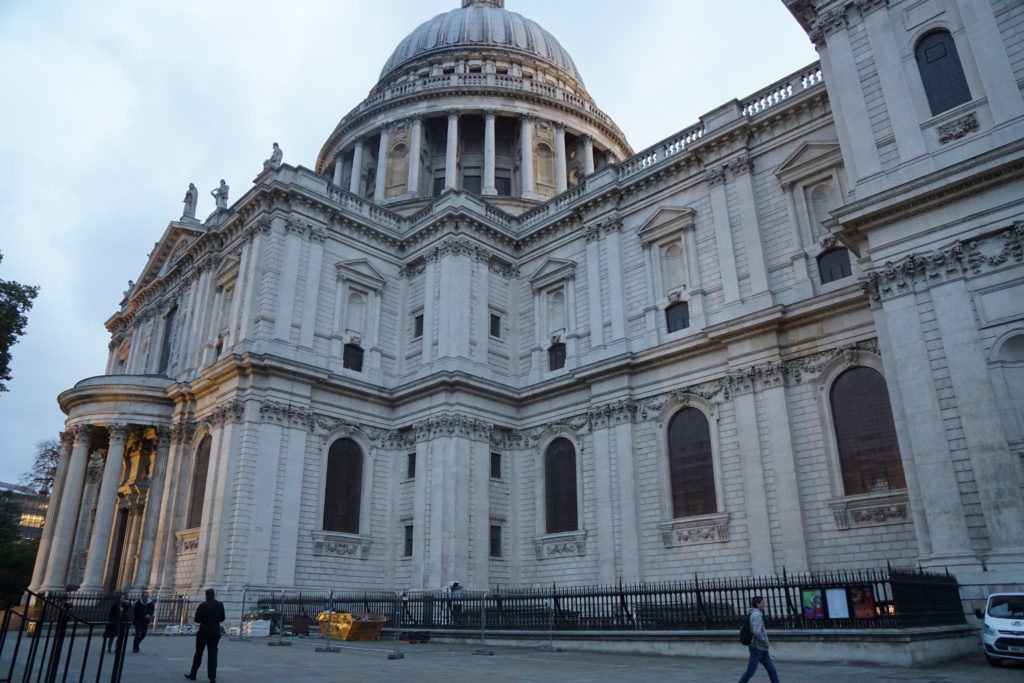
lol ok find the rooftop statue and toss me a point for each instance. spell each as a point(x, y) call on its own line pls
point(275, 158)
point(220, 195)
point(191, 199)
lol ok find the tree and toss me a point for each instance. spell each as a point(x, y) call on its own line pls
point(44, 467)
point(15, 302)
point(17, 555)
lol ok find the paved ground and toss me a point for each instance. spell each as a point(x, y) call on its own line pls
point(166, 658)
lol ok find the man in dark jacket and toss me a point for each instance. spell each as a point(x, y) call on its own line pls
point(142, 612)
point(759, 645)
point(209, 616)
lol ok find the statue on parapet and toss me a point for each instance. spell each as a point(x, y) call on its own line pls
point(220, 195)
point(275, 158)
point(191, 200)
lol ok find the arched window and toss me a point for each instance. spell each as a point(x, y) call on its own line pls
point(199, 470)
point(834, 265)
point(941, 71)
point(869, 455)
point(821, 204)
point(556, 311)
point(690, 465)
point(560, 486)
point(556, 356)
point(343, 490)
point(352, 357)
point(672, 270)
point(356, 313)
point(677, 316)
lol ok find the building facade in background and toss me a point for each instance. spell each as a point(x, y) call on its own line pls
point(482, 340)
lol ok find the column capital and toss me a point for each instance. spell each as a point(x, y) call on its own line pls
point(82, 434)
point(118, 433)
point(527, 118)
point(489, 113)
point(67, 439)
point(453, 113)
point(559, 126)
point(163, 434)
point(587, 138)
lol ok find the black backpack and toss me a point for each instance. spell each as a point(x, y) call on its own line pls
point(746, 634)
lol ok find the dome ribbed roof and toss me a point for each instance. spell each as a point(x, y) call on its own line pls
point(479, 26)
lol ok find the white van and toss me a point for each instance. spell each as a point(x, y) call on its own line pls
point(1002, 627)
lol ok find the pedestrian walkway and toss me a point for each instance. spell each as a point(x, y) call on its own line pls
point(166, 658)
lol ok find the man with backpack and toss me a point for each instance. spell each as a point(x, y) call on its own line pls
point(755, 638)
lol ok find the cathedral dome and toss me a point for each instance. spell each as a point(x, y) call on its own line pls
point(480, 25)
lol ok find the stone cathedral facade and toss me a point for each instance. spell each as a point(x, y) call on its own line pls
point(482, 340)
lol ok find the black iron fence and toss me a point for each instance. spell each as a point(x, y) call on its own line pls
point(883, 598)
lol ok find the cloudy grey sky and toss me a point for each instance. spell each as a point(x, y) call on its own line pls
point(113, 106)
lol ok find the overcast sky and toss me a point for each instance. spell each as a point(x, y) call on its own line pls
point(113, 107)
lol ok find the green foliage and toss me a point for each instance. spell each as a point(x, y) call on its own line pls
point(15, 302)
point(17, 555)
point(44, 467)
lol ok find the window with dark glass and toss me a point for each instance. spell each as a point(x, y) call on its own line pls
point(834, 265)
point(495, 540)
point(199, 470)
point(503, 186)
point(560, 486)
point(495, 465)
point(691, 468)
point(407, 545)
point(495, 326)
point(438, 186)
point(471, 183)
point(941, 72)
point(344, 487)
point(677, 316)
point(352, 357)
point(869, 455)
point(417, 326)
point(556, 356)
point(165, 345)
point(410, 466)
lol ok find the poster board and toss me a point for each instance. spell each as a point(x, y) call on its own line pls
point(863, 600)
point(835, 601)
point(813, 603)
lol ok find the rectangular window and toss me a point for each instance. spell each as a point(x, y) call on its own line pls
point(410, 466)
point(495, 465)
point(407, 551)
point(503, 186)
point(438, 186)
point(495, 326)
point(495, 540)
point(417, 326)
point(352, 358)
point(471, 183)
point(165, 345)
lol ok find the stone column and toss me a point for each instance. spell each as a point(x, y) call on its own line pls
point(106, 506)
point(782, 455)
point(357, 168)
point(67, 518)
point(291, 253)
point(594, 300)
point(339, 165)
point(715, 178)
point(616, 293)
point(526, 151)
point(561, 165)
point(489, 154)
point(163, 573)
point(154, 504)
point(83, 532)
point(412, 183)
point(742, 173)
point(604, 522)
point(755, 498)
point(588, 155)
point(382, 163)
point(451, 158)
point(52, 509)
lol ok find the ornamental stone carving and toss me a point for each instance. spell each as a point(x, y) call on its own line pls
point(865, 7)
point(82, 434)
point(568, 544)
point(230, 411)
point(337, 544)
point(182, 431)
point(118, 433)
point(827, 23)
point(714, 176)
point(958, 128)
point(94, 469)
point(741, 165)
point(186, 542)
point(873, 509)
point(695, 530)
point(612, 414)
point(452, 425)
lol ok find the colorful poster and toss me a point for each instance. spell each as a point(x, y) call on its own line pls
point(835, 599)
point(813, 604)
point(863, 600)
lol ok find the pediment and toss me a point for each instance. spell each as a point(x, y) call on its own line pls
point(551, 271)
point(226, 271)
point(808, 159)
point(362, 272)
point(176, 240)
point(666, 221)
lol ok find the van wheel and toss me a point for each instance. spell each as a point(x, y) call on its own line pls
point(993, 661)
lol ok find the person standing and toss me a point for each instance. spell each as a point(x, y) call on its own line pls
point(209, 616)
point(142, 612)
point(759, 644)
point(113, 626)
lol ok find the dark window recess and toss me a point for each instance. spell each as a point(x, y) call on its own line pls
point(556, 356)
point(438, 186)
point(165, 345)
point(941, 72)
point(407, 546)
point(352, 358)
point(560, 486)
point(410, 466)
point(495, 465)
point(496, 326)
point(834, 265)
point(869, 455)
point(503, 186)
point(344, 487)
point(691, 469)
point(417, 326)
point(495, 540)
point(677, 316)
point(199, 470)
point(471, 183)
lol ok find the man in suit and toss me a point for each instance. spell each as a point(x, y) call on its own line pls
point(209, 616)
point(142, 612)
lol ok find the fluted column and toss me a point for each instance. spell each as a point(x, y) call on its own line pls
point(357, 168)
point(588, 155)
point(526, 149)
point(52, 508)
point(561, 167)
point(154, 504)
point(489, 154)
point(106, 506)
point(67, 517)
point(339, 165)
point(451, 158)
point(382, 164)
point(412, 184)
